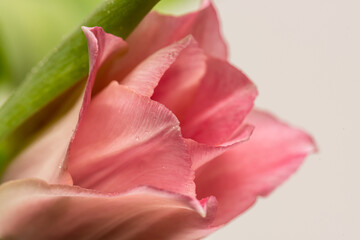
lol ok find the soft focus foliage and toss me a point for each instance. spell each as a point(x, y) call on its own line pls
point(29, 29)
point(177, 6)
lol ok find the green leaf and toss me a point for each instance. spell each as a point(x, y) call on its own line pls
point(68, 63)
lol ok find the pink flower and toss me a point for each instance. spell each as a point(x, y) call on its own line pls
point(162, 146)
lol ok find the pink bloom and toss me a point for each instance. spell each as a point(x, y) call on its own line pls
point(157, 147)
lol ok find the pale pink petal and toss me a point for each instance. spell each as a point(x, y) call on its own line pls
point(44, 157)
point(223, 99)
point(126, 140)
point(157, 31)
point(253, 168)
point(31, 209)
point(146, 76)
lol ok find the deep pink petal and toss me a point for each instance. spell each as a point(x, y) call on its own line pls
point(40, 211)
point(223, 99)
point(146, 76)
point(126, 140)
point(178, 85)
point(253, 168)
point(157, 31)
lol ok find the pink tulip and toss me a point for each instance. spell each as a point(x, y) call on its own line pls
point(163, 144)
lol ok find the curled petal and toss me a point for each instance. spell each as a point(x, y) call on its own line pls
point(41, 211)
point(253, 168)
point(202, 153)
point(146, 76)
point(177, 87)
point(102, 46)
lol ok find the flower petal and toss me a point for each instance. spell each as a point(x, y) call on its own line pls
point(126, 140)
point(44, 157)
point(253, 168)
point(157, 31)
point(102, 46)
point(202, 24)
point(146, 76)
point(223, 99)
point(177, 87)
point(202, 153)
point(41, 211)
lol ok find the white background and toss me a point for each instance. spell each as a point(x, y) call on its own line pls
point(304, 57)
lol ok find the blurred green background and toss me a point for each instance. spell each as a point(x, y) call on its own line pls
point(31, 28)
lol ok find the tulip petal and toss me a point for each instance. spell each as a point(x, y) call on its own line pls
point(146, 76)
point(203, 25)
point(202, 153)
point(224, 98)
point(102, 46)
point(177, 87)
point(253, 168)
point(44, 157)
point(127, 140)
point(40, 211)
